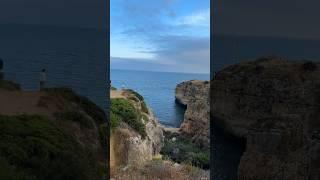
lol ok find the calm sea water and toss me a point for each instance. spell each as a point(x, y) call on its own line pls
point(73, 58)
point(158, 89)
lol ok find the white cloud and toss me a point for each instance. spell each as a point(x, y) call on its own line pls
point(200, 18)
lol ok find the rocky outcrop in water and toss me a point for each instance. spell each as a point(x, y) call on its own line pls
point(275, 105)
point(195, 96)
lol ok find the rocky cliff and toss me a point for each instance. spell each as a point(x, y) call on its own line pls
point(195, 96)
point(53, 133)
point(131, 148)
point(275, 105)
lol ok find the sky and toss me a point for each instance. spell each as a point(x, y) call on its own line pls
point(62, 13)
point(160, 35)
point(271, 18)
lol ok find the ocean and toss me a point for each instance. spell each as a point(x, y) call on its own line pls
point(73, 57)
point(158, 89)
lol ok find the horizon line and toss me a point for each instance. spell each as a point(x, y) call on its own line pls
point(179, 72)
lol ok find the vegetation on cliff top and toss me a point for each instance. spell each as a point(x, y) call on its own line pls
point(34, 147)
point(135, 94)
point(182, 150)
point(9, 85)
point(124, 110)
point(87, 105)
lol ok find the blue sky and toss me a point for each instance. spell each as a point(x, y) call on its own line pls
point(160, 35)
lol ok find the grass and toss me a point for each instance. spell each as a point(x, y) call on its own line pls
point(9, 85)
point(124, 110)
point(34, 147)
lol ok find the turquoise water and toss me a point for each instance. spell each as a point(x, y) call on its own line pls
point(158, 89)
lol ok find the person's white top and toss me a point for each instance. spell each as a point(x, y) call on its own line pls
point(43, 76)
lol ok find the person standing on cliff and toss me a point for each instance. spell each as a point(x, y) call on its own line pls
point(1, 70)
point(43, 79)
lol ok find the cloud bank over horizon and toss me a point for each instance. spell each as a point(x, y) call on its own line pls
point(160, 35)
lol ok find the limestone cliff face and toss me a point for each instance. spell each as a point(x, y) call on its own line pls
point(195, 96)
point(275, 105)
point(129, 148)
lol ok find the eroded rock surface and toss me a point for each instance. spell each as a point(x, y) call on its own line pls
point(275, 105)
point(128, 147)
point(131, 149)
point(195, 96)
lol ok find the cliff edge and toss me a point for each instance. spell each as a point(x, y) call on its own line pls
point(274, 104)
point(194, 95)
point(52, 133)
point(137, 137)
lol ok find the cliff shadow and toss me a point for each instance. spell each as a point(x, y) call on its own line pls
point(226, 152)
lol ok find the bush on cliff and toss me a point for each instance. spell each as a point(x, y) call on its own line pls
point(126, 112)
point(76, 117)
point(87, 105)
point(9, 85)
point(183, 150)
point(115, 120)
point(33, 147)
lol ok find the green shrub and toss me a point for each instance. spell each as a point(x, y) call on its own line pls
point(184, 151)
point(9, 85)
point(113, 88)
point(199, 159)
point(136, 94)
point(87, 105)
point(126, 111)
point(76, 117)
point(35, 148)
point(123, 108)
point(115, 120)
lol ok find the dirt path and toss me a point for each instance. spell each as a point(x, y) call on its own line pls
point(22, 102)
point(116, 94)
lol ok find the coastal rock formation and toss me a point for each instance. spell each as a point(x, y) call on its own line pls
point(195, 96)
point(129, 148)
point(138, 153)
point(275, 105)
